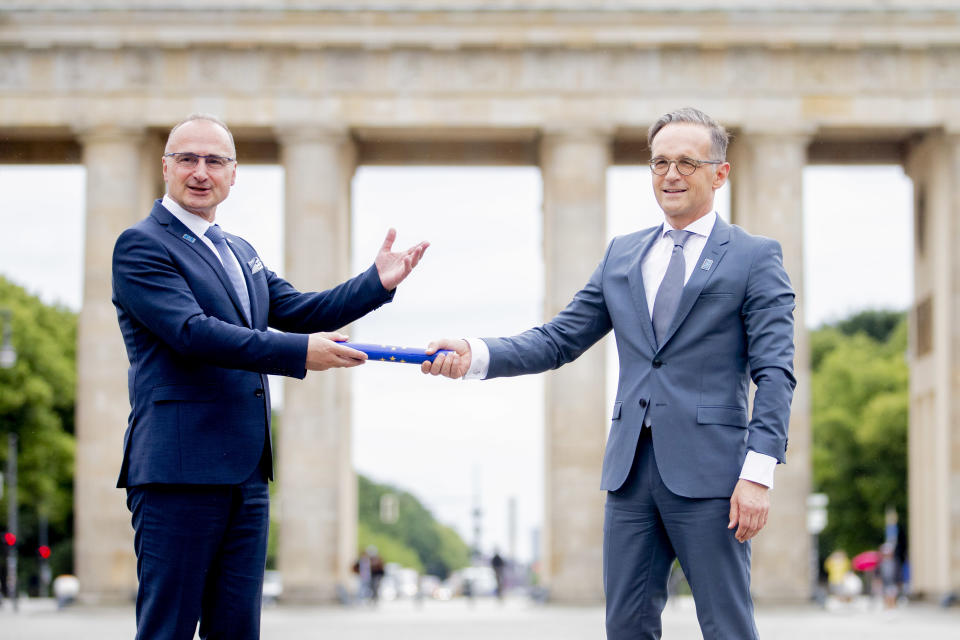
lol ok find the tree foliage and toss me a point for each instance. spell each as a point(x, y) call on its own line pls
point(877, 324)
point(439, 548)
point(37, 397)
point(860, 414)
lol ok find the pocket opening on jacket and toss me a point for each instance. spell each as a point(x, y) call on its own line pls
point(730, 416)
point(617, 406)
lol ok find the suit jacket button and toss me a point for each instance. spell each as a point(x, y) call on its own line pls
point(258, 393)
point(643, 403)
point(657, 363)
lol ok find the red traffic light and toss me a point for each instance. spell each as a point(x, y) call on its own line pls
point(10, 539)
point(44, 551)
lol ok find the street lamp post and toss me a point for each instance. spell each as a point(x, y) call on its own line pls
point(816, 522)
point(8, 358)
point(12, 519)
point(8, 355)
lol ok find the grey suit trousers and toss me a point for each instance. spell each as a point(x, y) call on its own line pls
point(648, 526)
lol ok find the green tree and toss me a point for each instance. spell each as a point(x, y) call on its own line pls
point(878, 324)
point(860, 414)
point(439, 548)
point(37, 397)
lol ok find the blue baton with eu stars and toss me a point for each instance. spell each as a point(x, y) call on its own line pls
point(388, 353)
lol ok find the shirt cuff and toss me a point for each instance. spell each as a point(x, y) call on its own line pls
point(479, 359)
point(758, 467)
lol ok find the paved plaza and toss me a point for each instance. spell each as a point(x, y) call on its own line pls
point(488, 620)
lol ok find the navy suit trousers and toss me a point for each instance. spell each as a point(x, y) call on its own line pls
point(646, 527)
point(201, 551)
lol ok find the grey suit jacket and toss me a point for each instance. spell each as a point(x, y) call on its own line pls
point(734, 323)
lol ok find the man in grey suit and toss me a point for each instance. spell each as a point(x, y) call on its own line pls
point(699, 307)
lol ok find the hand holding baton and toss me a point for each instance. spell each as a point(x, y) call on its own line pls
point(389, 353)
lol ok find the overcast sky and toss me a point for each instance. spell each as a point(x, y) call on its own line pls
point(447, 441)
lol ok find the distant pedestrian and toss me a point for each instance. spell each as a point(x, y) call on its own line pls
point(369, 567)
point(837, 565)
point(889, 571)
point(498, 565)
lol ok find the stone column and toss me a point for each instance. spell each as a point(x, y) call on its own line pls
point(152, 185)
point(103, 547)
point(574, 165)
point(934, 435)
point(316, 482)
point(767, 199)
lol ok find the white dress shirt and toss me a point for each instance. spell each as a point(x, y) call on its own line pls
point(757, 467)
point(199, 227)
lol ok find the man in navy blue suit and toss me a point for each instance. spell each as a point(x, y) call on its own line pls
point(194, 304)
point(699, 307)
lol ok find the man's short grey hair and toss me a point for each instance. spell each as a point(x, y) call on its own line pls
point(209, 117)
point(718, 135)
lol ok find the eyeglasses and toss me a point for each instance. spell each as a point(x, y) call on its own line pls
point(187, 160)
point(686, 166)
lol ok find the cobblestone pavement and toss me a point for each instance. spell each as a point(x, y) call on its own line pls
point(489, 620)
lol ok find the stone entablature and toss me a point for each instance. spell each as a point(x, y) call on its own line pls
point(491, 64)
point(839, 88)
point(455, 24)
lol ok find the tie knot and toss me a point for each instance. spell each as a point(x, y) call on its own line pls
point(215, 233)
point(679, 237)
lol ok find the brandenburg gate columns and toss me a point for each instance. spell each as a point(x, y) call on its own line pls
point(767, 199)
point(103, 547)
point(574, 166)
point(934, 434)
point(317, 505)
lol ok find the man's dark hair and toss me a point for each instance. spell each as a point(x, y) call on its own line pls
point(718, 135)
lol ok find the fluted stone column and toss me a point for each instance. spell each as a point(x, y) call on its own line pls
point(574, 165)
point(317, 484)
point(767, 200)
point(934, 435)
point(103, 547)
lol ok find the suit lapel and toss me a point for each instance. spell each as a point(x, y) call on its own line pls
point(706, 266)
point(637, 290)
point(181, 232)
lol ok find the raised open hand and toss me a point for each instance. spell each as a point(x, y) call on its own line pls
point(393, 267)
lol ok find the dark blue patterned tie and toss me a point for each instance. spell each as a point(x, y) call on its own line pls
point(668, 295)
point(215, 233)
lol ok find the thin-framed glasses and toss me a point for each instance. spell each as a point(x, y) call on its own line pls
point(686, 166)
point(187, 160)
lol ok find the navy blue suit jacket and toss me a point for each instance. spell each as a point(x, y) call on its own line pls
point(734, 322)
point(200, 403)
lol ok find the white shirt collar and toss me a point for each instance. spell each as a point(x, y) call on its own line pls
point(701, 226)
point(192, 221)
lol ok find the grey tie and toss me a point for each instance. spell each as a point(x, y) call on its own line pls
point(668, 295)
point(215, 233)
